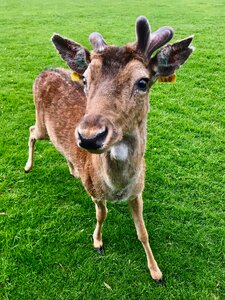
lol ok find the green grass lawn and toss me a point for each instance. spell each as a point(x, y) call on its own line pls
point(46, 218)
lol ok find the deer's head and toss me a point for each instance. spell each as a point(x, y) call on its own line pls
point(117, 81)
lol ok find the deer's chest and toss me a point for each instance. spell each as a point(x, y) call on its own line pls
point(121, 176)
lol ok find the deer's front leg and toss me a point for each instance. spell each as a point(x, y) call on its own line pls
point(73, 171)
point(136, 207)
point(31, 143)
point(101, 214)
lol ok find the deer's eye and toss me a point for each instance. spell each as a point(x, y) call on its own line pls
point(84, 81)
point(142, 85)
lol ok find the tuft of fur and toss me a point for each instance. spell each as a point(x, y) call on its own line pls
point(119, 152)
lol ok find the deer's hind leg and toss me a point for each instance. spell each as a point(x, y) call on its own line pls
point(37, 132)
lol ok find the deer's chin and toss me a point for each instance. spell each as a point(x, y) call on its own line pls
point(103, 149)
point(98, 151)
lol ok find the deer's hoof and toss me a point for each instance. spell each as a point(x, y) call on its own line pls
point(26, 170)
point(160, 281)
point(27, 167)
point(100, 250)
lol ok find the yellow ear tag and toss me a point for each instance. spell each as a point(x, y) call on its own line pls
point(171, 78)
point(75, 76)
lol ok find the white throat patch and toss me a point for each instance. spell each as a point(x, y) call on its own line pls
point(119, 151)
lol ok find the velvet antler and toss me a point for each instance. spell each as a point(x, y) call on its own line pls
point(148, 42)
point(97, 42)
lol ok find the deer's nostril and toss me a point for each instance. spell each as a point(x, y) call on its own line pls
point(94, 143)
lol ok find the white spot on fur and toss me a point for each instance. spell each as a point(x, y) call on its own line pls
point(119, 151)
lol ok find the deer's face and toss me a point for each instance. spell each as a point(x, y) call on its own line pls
point(116, 84)
point(117, 81)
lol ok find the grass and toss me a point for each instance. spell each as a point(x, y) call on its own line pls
point(46, 218)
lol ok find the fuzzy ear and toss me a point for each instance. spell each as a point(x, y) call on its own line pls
point(171, 57)
point(76, 56)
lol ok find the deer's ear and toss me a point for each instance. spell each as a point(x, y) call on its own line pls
point(76, 56)
point(170, 58)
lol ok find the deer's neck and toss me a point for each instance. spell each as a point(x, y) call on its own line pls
point(122, 167)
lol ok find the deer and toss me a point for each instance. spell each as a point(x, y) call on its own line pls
point(98, 121)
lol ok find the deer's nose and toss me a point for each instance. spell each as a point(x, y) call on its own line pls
point(93, 143)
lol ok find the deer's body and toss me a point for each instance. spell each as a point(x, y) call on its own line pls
point(106, 116)
point(60, 105)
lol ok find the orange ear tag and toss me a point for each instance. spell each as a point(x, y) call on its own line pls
point(171, 78)
point(75, 76)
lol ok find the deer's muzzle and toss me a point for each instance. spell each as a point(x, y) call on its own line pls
point(95, 133)
point(94, 143)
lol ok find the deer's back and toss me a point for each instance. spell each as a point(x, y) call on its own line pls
point(60, 104)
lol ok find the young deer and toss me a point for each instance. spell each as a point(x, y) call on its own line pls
point(99, 125)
